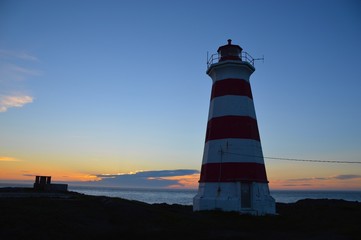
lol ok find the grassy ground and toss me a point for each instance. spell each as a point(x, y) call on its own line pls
point(78, 216)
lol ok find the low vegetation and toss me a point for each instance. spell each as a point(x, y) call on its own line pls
point(77, 216)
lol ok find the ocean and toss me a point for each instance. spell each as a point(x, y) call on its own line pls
point(185, 196)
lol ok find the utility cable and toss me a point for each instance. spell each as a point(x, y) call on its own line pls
point(295, 159)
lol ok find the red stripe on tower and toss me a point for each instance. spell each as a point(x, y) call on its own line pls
point(233, 172)
point(231, 86)
point(232, 127)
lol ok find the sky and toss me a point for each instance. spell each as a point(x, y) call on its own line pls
point(115, 93)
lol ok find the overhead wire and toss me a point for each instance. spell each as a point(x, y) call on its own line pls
point(295, 159)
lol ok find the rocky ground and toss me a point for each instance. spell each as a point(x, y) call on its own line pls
point(28, 215)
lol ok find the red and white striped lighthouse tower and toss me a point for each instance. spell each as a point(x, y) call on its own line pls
point(233, 175)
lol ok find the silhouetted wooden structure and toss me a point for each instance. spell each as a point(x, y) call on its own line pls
point(43, 183)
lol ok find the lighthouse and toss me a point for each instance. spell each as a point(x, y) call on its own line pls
point(233, 174)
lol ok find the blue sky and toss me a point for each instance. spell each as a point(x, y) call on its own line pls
point(117, 87)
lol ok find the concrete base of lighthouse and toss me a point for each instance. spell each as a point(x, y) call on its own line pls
point(244, 197)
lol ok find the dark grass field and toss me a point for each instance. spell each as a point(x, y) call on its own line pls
point(78, 216)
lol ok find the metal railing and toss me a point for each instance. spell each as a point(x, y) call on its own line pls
point(244, 56)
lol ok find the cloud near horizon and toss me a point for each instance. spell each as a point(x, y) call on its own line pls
point(179, 178)
point(338, 177)
point(342, 181)
point(8, 159)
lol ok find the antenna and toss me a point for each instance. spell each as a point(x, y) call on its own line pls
point(262, 58)
point(207, 59)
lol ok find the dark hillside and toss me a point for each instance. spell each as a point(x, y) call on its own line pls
point(77, 216)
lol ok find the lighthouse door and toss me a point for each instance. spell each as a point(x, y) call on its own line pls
point(246, 195)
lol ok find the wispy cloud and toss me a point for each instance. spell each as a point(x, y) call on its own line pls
point(10, 72)
point(16, 67)
point(338, 177)
point(342, 181)
point(152, 179)
point(12, 65)
point(30, 175)
point(7, 102)
point(298, 185)
point(8, 159)
point(18, 55)
point(346, 176)
point(153, 174)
